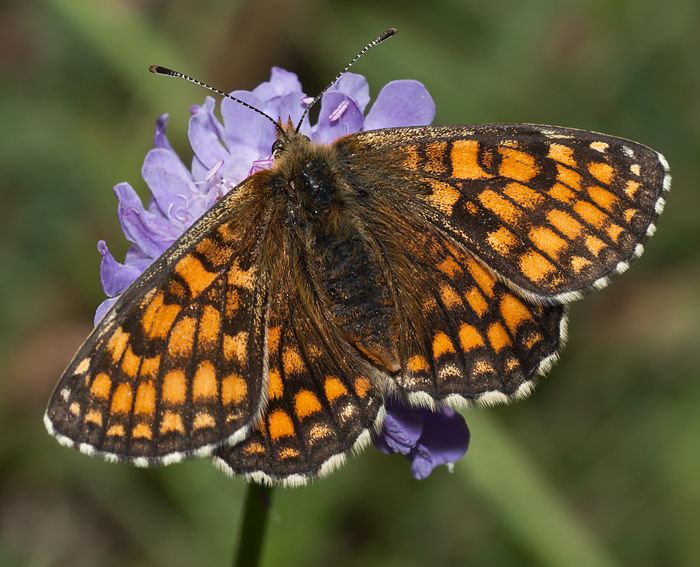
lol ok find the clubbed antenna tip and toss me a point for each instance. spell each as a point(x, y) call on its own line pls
point(158, 70)
point(387, 34)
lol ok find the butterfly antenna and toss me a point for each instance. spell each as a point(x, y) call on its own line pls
point(376, 41)
point(158, 70)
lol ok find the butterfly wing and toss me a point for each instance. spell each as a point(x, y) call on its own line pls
point(176, 367)
point(486, 231)
point(552, 211)
point(466, 336)
point(323, 399)
point(463, 334)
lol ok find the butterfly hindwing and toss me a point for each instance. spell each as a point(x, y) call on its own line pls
point(464, 334)
point(167, 372)
point(553, 211)
point(322, 400)
point(472, 337)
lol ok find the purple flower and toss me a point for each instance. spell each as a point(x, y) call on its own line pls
point(227, 151)
point(429, 439)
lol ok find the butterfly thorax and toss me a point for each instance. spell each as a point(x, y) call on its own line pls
point(322, 218)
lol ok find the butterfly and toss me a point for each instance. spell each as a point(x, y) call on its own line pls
point(433, 264)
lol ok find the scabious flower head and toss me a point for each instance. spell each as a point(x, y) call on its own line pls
point(229, 150)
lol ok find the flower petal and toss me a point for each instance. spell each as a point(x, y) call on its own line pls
point(281, 83)
point(339, 116)
point(238, 167)
point(168, 179)
point(199, 170)
point(445, 440)
point(245, 128)
point(137, 258)
point(401, 103)
point(205, 133)
point(114, 276)
point(401, 431)
point(102, 309)
point(422, 464)
point(160, 139)
point(286, 107)
point(149, 232)
point(355, 86)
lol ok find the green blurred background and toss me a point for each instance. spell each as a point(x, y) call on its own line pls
point(601, 466)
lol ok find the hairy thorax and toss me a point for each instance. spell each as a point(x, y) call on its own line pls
point(332, 252)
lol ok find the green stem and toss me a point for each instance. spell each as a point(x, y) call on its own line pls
point(258, 502)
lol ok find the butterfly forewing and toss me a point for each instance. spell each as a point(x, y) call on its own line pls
point(176, 367)
point(552, 211)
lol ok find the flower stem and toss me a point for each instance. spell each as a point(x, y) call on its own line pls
point(258, 502)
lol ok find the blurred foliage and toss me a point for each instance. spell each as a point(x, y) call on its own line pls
point(599, 467)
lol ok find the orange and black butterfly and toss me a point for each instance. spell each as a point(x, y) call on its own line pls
point(433, 264)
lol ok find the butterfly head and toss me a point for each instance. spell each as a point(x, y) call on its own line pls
point(288, 138)
point(306, 175)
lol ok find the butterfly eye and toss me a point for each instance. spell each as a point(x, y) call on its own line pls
point(277, 147)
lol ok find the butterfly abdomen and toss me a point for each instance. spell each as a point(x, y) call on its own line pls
point(360, 303)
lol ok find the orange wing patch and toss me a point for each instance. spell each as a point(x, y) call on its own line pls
point(275, 387)
point(565, 223)
point(279, 425)
point(209, 327)
point(130, 362)
point(464, 159)
point(236, 347)
point(306, 403)
point(171, 422)
point(500, 207)
point(535, 267)
point(417, 363)
point(334, 388)
point(477, 301)
point(233, 390)
point(150, 366)
point(498, 337)
point(158, 317)
point(145, 403)
point(182, 337)
point(117, 344)
point(603, 172)
point(101, 386)
point(194, 274)
point(547, 241)
point(122, 398)
point(562, 154)
point(522, 195)
point(469, 337)
point(502, 240)
point(204, 385)
point(443, 196)
point(174, 387)
point(514, 312)
point(517, 165)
